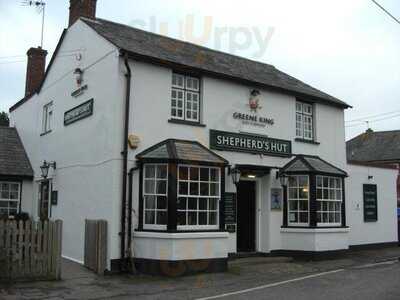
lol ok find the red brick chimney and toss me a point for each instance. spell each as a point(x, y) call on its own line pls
point(81, 8)
point(35, 69)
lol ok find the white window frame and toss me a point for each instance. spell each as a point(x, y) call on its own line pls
point(3, 199)
point(332, 188)
point(187, 196)
point(305, 118)
point(154, 226)
point(186, 103)
point(298, 199)
point(47, 117)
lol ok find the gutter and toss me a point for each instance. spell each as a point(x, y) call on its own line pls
point(128, 76)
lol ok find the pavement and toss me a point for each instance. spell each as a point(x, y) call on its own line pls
point(368, 274)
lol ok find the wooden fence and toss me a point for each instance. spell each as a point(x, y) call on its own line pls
point(95, 257)
point(30, 250)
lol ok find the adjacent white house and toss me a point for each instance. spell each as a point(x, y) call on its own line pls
point(190, 154)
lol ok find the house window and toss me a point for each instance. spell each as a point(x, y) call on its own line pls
point(298, 200)
point(155, 184)
point(47, 119)
point(199, 194)
point(9, 198)
point(304, 121)
point(185, 98)
point(329, 200)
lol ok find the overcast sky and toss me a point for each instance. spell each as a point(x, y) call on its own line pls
point(349, 49)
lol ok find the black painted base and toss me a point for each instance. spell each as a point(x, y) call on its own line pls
point(310, 255)
point(182, 267)
point(374, 246)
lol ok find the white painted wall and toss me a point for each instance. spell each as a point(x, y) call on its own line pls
point(385, 229)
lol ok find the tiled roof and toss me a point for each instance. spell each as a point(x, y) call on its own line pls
point(383, 146)
point(161, 49)
point(13, 158)
point(181, 150)
point(311, 164)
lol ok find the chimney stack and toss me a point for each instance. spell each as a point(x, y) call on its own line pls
point(35, 69)
point(81, 8)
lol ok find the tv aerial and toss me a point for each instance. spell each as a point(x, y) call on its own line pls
point(40, 8)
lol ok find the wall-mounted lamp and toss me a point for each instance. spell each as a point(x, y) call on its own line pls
point(45, 168)
point(78, 76)
point(283, 180)
point(235, 173)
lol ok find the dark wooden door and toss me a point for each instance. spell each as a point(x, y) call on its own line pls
point(246, 213)
point(44, 200)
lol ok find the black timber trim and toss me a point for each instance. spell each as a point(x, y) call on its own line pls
point(172, 197)
point(185, 122)
point(222, 200)
point(310, 255)
point(26, 98)
point(312, 194)
point(15, 177)
point(285, 207)
point(181, 231)
point(201, 73)
point(313, 142)
point(181, 267)
point(374, 246)
point(140, 225)
point(343, 203)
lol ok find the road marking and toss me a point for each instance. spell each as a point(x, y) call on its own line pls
point(271, 285)
point(390, 262)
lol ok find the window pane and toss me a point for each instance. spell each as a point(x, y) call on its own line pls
point(149, 217)
point(192, 203)
point(183, 188)
point(303, 217)
point(162, 171)
point(204, 174)
point(213, 204)
point(192, 218)
point(293, 205)
point(149, 171)
point(194, 174)
point(161, 202)
point(181, 218)
point(194, 188)
point(212, 218)
point(161, 187)
point(204, 189)
point(214, 189)
point(202, 218)
point(293, 193)
point(203, 203)
point(150, 202)
point(183, 173)
point(182, 203)
point(161, 217)
point(149, 186)
point(214, 175)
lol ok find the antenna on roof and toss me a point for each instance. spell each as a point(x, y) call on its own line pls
point(40, 8)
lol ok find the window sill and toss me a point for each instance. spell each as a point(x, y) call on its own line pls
point(44, 133)
point(307, 141)
point(184, 122)
point(325, 229)
point(181, 235)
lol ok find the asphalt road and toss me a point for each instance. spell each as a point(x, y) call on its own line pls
point(374, 281)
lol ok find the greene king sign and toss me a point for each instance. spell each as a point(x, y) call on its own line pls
point(238, 142)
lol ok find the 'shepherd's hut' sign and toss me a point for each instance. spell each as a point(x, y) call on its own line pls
point(230, 141)
point(78, 113)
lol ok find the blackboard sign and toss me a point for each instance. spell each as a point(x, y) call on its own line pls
point(370, 203)
point(230, 208)
point(256, 144)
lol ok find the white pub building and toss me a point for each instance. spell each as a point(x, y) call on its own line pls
point(191, 155)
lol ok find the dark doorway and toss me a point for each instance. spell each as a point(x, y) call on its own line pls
point(246, 216)
point(44, 203)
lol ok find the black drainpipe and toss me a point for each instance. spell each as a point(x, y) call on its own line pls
point(130, 195)
point(124, 153)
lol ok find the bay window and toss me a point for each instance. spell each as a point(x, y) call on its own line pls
point(9, 198)
point(314, 194)
point(181, 187)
